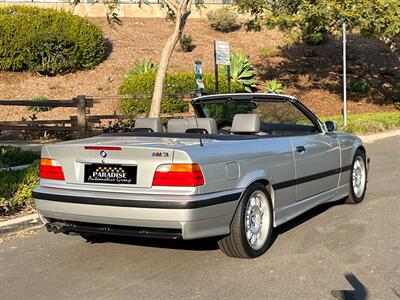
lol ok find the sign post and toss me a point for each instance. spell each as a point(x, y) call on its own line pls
point(198, 73)
point(222, 57)
point(344, 78)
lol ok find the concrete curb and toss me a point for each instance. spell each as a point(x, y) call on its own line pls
point(368, 139)
point(12, 226)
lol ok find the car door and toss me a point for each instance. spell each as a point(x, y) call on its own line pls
point(317, 161)
point(316, 156)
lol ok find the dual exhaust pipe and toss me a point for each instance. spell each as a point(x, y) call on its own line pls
point(56, 227)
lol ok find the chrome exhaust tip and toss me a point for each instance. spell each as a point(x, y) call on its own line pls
point(49, 227)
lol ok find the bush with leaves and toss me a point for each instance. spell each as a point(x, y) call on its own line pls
point(186, 43)
point(16, 188)
point(14, 156)
point(242, 71)
point(223, 19)
point(175, 84)
point(361, 86)
point(39, 108)
point(48, 41)
point(273, 87)
point(145, 65)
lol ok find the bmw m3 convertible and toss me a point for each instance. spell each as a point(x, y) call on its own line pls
point(244, 165)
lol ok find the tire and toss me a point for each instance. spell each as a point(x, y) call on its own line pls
point(358, 178)
point(253, 213)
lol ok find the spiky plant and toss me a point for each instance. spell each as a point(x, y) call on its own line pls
point(273, 87)
point(141, 66)
point(242, 71)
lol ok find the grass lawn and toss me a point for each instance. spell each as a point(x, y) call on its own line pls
point(368, 122)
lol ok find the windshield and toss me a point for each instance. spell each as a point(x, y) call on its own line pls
point(275, 115)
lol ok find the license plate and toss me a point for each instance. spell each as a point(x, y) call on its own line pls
point(114, 174)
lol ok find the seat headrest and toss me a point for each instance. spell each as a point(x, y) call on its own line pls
point(149, 124)
point(246, 123)
point(193, 125)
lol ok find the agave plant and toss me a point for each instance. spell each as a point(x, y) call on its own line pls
point(141, 66)
point(273, 87)
point(242, 71)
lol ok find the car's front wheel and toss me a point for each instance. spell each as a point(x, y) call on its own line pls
point(358, 178)
point(251, 227)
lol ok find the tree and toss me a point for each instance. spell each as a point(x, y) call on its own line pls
point(179, 11)
point(374, 18)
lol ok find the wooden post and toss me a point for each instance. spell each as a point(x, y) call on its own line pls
point(81, 110)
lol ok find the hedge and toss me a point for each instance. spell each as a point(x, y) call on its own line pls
point(175, 83)
point(13, 156)
point(48, 41)
point(16, 188)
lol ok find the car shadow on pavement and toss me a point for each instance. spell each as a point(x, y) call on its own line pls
point(304, 218)
point(209, 244)
point(193, 245)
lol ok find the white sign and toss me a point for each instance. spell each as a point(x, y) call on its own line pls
point(222, 53)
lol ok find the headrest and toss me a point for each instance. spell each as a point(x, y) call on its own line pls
point(149, 124)
point(246, 123)
point(193, 125)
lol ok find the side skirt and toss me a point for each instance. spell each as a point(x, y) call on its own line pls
point(287, 213)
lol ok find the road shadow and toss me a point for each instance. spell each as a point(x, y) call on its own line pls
point(359, 292)
point(209, 244)
point(303, 218)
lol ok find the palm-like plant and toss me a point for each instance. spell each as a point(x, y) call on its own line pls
point(273, 87)
point(141, 66)
point(242, 71)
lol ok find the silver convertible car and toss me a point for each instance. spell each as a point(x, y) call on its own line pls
point(244, 165)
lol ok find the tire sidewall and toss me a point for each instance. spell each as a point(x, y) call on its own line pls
point(362, 155)
point(245, 198)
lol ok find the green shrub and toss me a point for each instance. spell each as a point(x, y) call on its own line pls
point(16, 188)
point(48, 41)
point(314, 38)
point(361, 86)
point(397, 105)
point(175, 83)
point(273, 87)
point(13, 156)
point(186, 43)
point(39, 108)
point(242, 71)
point(266, 52)
point(141, 66)
point(223, 19)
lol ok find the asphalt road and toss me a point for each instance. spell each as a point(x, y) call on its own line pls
point(335, 251)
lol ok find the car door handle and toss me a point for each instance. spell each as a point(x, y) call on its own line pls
point(300, 149)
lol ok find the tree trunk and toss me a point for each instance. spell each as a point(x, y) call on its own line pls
point(164, 62)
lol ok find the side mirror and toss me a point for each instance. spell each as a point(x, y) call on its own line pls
point(330, 126)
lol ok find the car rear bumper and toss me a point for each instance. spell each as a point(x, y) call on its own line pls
point(188, 216)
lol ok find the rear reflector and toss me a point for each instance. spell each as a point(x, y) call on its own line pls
point(102, 148)
point(178, 175)
point(50, 169)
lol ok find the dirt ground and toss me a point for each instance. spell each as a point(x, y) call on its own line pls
point(313, 74)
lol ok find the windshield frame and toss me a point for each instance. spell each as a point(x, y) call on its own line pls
point(196, 103)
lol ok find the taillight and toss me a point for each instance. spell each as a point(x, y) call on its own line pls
point(50, 169)
point(178, 175)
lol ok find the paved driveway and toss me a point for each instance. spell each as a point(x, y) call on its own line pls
point(335, 250)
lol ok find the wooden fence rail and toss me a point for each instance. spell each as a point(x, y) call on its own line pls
point(82, 122)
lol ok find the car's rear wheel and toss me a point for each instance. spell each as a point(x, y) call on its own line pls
point(358, 178)
point(251, 227)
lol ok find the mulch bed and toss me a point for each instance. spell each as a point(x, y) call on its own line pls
point(313, 74)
